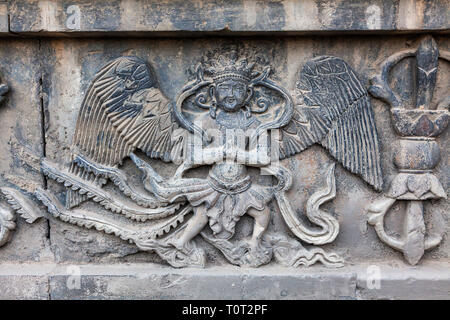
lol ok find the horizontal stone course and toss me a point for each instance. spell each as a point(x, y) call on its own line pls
point(181, 18)
point(151, 281)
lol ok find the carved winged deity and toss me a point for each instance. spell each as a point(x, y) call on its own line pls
point(229, 117)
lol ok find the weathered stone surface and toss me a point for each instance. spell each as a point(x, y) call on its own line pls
point(20, 123)
point(430, 282)
point(4, 20)
point(23, 287)
point(136, 281)
point(49, 78)
point(225, 17)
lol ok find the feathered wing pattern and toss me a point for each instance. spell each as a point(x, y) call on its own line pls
point(122, 111)
point(336, 113)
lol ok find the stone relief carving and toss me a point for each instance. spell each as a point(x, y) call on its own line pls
point(7, 224)
point(7, 217)
point(417, 152)
point(229, 118)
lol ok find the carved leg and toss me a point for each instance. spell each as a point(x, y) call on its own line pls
point(193, 228)
point(243, 252)
point(262, 219)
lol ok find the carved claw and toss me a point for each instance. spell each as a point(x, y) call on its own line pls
point(259, 253)
point(242, 253)
point(195, 258)
point(174, 253)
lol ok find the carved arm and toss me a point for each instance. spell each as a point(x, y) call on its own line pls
point(197, 158)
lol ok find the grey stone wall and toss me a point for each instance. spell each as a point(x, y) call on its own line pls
point(51, 50)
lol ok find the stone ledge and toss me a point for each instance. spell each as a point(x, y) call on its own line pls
point(214, 17)
point(148, 281)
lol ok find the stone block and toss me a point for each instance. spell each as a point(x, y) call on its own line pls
point(166, 18)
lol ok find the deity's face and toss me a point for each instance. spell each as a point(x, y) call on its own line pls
point(231, 94)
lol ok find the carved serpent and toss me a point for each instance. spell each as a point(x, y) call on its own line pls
point(328, 224)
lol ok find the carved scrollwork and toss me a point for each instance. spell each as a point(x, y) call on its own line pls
point(262, 106)
point(291, 253)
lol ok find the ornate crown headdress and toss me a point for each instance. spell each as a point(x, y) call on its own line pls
point(229, 66)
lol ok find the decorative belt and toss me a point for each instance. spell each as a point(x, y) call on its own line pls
point(229, 187)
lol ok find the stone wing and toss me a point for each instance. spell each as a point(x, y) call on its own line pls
point(123, 111)
point(336, 113)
